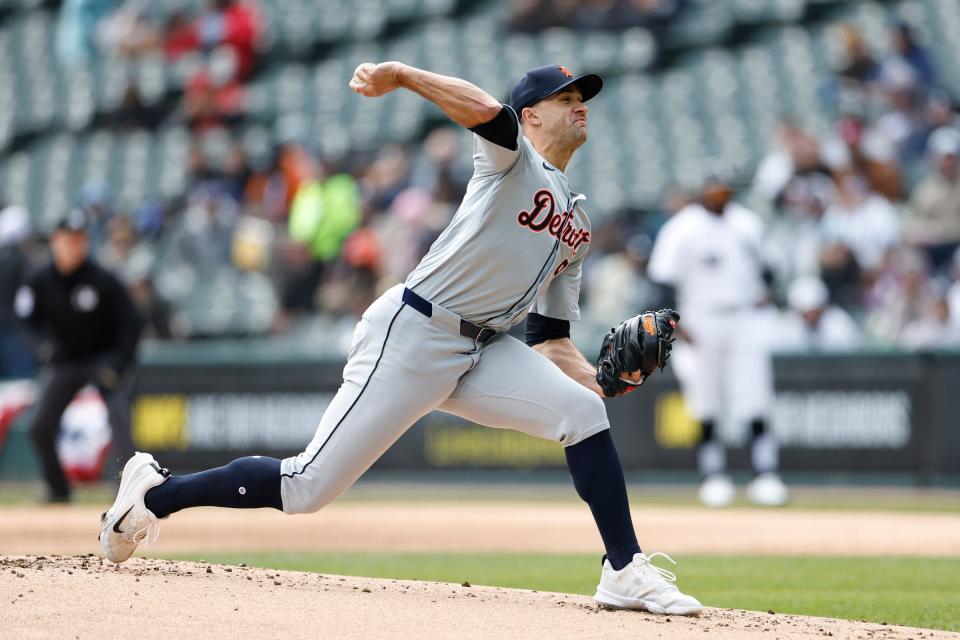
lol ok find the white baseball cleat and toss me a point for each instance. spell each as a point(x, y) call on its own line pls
point(768, 490)
point(644, 586)
point(717, 490)
point(128, 522)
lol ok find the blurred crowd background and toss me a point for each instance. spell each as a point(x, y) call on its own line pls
point(240, 190)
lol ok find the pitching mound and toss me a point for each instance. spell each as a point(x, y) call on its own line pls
point(88, 597)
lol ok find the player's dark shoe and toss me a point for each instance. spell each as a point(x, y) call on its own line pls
point(643, 586)
point(128, 522)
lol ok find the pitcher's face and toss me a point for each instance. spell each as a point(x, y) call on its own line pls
point(564, 116)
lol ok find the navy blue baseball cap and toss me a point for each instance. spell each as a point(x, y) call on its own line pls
point(542, 82)
point(74, 221)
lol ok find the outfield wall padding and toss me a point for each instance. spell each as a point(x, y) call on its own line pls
point(878, 413)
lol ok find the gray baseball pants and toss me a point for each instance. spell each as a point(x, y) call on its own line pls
point(403, 365)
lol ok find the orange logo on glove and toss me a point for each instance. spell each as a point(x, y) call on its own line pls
point(649, 326)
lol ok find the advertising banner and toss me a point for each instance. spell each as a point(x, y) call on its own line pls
point(879, 413)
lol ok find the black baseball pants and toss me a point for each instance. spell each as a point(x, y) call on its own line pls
point(59, 384)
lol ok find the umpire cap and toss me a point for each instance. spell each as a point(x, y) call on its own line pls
point(75, 221)
point(542, 82)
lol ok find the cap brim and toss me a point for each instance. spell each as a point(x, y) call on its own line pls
point(589, 85)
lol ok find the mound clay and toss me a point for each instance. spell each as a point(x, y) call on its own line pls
point(86, 597)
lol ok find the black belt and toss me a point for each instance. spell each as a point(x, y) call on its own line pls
point(467, 328)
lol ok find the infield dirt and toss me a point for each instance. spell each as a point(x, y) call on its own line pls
point(477, 527)
point(86, 597)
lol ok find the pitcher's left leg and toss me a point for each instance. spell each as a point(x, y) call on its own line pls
point(515, 387)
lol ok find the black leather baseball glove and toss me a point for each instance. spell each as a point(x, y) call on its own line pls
point(642, 343)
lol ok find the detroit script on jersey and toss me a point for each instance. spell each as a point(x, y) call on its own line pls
point(543, 216)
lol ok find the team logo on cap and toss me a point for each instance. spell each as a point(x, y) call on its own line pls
point(564, 71)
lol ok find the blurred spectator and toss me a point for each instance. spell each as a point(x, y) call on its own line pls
point(214, 97)
point(236, 171)
point(200, 237)
point(652, 13)
point(123, 254)
point(412, 223)
point(16, 356)
point(439, 168)
point(617, 285)
point(234, 24)
point(387, 176)
point(933, 221)
point(252, 243)
point(96, 201)
point(811, 323)
point(905, 50)
point(899, 293)
point(795, 152)
point(953, 292)
point(858, 65)
point(842, 274)
point(903, 125)
point(597, 14)
point(794, 240)
point(133, 113)
point(76, 25)
point(536, 15)
point(857, 146)
point(940, 112)
point(270, 190)
point(156, 312)
point(180, 37)
point(861, 219)
point(931, 327)
point(128, 31)
point(323, 213)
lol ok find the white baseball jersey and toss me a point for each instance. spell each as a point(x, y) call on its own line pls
point(517, 240)
point(713, 261)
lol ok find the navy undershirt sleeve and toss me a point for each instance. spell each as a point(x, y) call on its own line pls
point(501, 131)
point(541, 328)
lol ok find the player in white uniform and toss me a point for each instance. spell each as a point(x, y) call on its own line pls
point(437, 342)
point(709, 254)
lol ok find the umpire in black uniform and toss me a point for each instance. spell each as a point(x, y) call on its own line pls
point(89, 330)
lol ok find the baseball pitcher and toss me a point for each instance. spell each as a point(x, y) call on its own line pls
point(514, 250)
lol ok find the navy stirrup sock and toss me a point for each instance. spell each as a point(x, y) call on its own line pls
point(245, 483)
point(598, 479)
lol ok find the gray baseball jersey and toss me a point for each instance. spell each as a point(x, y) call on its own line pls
point(517, 240)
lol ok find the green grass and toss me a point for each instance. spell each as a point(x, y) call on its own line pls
point(828, 497)
point(919, 592)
